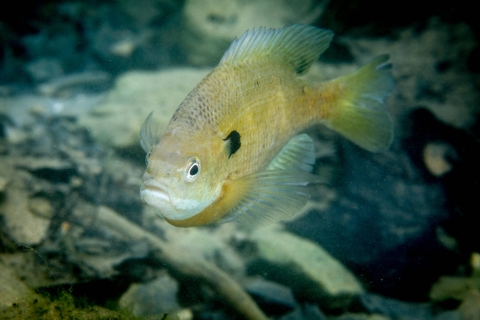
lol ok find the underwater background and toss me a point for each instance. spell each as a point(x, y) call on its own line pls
point(391, 235)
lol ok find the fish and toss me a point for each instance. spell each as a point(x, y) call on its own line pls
point(236, 148)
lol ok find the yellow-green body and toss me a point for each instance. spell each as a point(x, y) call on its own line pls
point(238, 129)
point(266, 104)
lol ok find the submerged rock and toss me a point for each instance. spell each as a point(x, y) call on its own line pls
point(3, 185)
point(212, 25)
point(306, 312)
point(61, 307)
point(466, 290)
point(470, 307)
point(208, 244)
point(311, 272)
point(88, 81)
point(437, 157)
point(153, 298)
point(19, 218)
point(117, 121)
point(271, 296)
point(12, 290)
point(42, 69)
point(457, 288)
point(396, 309)
point(360, 316)
point(384, 215)
point(430, 70)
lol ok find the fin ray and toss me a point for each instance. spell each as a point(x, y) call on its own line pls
point(361, 115)
point(148, 134)
point(272, 195)
point(297, 155)
point(297, 46)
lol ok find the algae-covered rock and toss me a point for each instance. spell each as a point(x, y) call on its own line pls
point(12, 290)
point(307, 268)
point(117, 121)
point(464, 289)
point(153, 298)
point(59, 307)
point(454, 288)
point(470, 307)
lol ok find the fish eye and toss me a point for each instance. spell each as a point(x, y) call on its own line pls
point(192, 169)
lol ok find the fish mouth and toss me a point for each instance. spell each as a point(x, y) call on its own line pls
point(155, 194)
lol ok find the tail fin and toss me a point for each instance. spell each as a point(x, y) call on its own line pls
point(361, 115)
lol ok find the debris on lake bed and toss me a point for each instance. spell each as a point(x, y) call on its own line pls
point(390, 235)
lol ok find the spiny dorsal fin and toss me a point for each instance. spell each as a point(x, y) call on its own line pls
point(297, 45)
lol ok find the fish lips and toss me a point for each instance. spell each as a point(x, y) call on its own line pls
point(155, 194)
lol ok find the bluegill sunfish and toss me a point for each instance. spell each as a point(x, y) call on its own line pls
point(234, 150)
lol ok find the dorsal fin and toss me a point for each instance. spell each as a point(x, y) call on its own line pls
point(297, 46)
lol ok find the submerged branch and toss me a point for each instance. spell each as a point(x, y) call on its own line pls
point(179, 261)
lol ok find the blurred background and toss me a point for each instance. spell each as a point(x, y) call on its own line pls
point(393, 235)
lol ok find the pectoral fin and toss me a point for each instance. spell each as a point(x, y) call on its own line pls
point(270, 196)
point(297, 155)
point(281, 190)
point(148, 134)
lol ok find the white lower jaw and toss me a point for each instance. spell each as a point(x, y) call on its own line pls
point(166, 209)
point(157, 196)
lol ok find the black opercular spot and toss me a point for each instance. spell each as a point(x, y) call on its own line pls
point(233, 141)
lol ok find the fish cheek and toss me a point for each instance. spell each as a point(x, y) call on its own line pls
point(232, 143)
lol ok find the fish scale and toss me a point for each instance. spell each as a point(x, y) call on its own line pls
point(234, 149)
point(262, 114)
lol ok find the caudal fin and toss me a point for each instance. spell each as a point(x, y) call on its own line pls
point(361, 116)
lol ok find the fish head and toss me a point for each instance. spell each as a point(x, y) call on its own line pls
point(184, 175)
